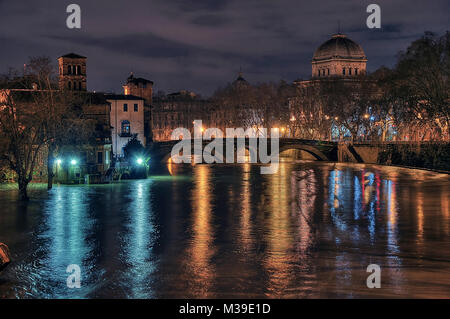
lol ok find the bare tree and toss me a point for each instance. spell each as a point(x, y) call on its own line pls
point(22, 129)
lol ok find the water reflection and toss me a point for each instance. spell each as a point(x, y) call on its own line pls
point(201, 249)
point(227, 231)
point(63, 241)
point(246, 233)
point(140, 239)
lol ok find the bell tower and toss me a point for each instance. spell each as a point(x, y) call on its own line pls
point(72, 72)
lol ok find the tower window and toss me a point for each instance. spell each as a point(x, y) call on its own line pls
point(343, 71)
point(125, 107)
point(135, 107)
point(126, 127)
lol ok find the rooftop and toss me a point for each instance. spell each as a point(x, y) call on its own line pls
point(132, 79)
point(73, 56)
point(122, 97)
point(339, 46)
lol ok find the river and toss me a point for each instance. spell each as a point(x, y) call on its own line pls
point(223, 231)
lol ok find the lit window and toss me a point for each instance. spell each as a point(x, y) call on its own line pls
point(125, 127)
point(125, 107)
point(135, 107)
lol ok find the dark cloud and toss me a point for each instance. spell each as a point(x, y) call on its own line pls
point(201, 44)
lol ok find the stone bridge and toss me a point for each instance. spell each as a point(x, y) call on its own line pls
point(321, 150)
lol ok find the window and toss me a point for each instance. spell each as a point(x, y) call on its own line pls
point(125, 107)
point(349, 71)
point(126, 127)
point(79, 86)
point(319, 72)
point(343, 71)
point(69, 85)
point(135, 107)
point(323, 72)
point(69, 69)
point(99, 157)
point(328, 71)
point(356, 71)
point(78, 70)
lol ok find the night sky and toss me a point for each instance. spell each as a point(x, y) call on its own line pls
point(199, 45)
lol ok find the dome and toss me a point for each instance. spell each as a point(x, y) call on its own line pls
point(339, 46)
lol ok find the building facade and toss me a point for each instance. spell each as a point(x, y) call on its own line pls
point(127, 120)
point(179, 109)
point(143, 88)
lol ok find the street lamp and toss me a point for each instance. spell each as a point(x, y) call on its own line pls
point(73, 162)
point(139, 161)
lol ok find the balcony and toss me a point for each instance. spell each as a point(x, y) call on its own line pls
point(125, 134)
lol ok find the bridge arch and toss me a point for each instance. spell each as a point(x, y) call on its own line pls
point(319, 155)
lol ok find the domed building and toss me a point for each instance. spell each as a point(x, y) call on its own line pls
point(338, 56)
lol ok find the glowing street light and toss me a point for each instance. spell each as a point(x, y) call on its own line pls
point(139, 161)
point(73, 162)
point(58, 161)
